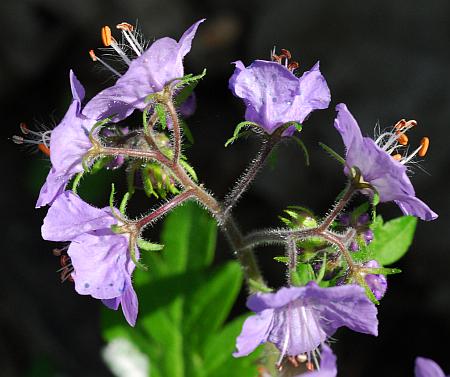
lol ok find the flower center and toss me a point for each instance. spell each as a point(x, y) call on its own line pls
point(395, 142)
point(40, 139)
point(129, 43)
point(285, 58)
point(66, 264)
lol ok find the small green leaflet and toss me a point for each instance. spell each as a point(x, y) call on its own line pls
point(237, 131)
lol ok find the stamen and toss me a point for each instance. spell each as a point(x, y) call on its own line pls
point(310, 366)
point(24, 128)
point(127, 29)
point(18, 139)
point(106, 36)
point(400, 124)
point(106, 65)
point(424, 144)
point(108, 41)
point(397, 157)
point(402, 138)
point(44, 149)
point(286, 54)
point(292, 66)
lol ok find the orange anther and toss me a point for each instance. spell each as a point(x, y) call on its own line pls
point(400, 124)
point(106, 36)
point(125, 26)
point(44, 149)
point(286, 53)
point(424, 144)
point(411, 123)
point(309, 365)
point(92, 55)
point(397, 157)
point(402, 139)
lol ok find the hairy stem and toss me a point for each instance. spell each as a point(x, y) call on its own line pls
point(176, 130)
point(340, 205)
point(250, 173)
point(166, 207)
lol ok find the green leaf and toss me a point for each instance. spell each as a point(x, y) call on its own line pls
point(392, 240)
point(203, 315)
point(237, 131)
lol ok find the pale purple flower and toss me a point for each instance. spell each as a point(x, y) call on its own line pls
point(148, 73)
point(376, 282)
point(69, 142)
point(378, 168)
point(100, 258)
point(298, 319)
point(273, 95)
point(327, 364)
point(427, 368)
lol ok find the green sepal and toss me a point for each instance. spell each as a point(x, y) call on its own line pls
point(161, 112)
point(281, 259)
point(117, 229)
point(100, 163)
point(149, 246)
point(256, 286)
point(322, 270)
point(237, 131)
point(111, 196)
point(76, 182)
point(189, 169)
point(305, 273)
point(302, 146)
point(332, 153)
point(124, 202)
point(190, 78)
point(296, 280)
point(382, 271)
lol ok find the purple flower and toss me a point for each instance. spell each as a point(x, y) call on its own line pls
point(298, 319)
point(100, 257)
point(161, 63)
point(378, 167)
point(376, 282)
point(273, 95)
point(68, 143)
point(427, 368)
point(327, 364)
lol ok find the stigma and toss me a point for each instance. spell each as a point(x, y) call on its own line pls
point(396, 143)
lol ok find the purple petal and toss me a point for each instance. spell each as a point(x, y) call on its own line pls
point(262, 301)
point(54, 185)
point(186, 39)
point(345, 305)
point(427, 368)
point(268, 90)
point(112, 303)
point(129, 304)
point(100, 264)
point(296, 329)
point(410, 205)
point(76, 87)
point(314, 93)
point(69, 141)
point(347, 126)
point(70, 216)
point(254, 332)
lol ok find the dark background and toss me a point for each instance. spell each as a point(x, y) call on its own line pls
point(385, 59)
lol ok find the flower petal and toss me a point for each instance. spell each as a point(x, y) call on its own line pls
point(427, 368)
point(347, 126)
point(268, 90)
point(254, 332)
point(76, 87)
point(54, 185)
point(70, 216)
point(410, 205)
point(261, 301)
point(100, 264)
point(129, 304)
point(345, 305)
